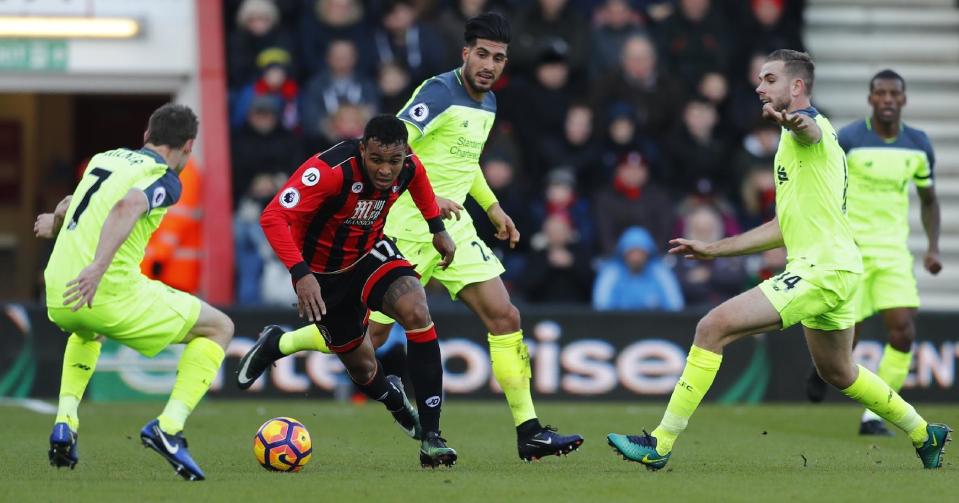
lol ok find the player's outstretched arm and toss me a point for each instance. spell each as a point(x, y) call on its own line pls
point(803, 127)
point(765, 237)
point(48, 225)
point(929, 211)
point(116, 229)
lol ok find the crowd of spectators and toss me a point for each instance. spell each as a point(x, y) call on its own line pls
point(621, 124)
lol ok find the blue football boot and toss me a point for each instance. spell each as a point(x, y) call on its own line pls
point(63, 446)
point(173, 448)
point(546, 442)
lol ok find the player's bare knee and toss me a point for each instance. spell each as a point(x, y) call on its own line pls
point(222, 330)
point(711, 331)
point(840, 374)
point(505, 319)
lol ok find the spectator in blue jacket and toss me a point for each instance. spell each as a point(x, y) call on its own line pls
point(636, 279)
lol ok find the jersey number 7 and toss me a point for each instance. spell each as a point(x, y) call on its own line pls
point(101, 175)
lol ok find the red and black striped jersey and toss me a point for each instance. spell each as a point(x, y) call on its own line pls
point(329, 214)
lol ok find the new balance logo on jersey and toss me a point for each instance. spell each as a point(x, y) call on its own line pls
point(366, 212)
point(781, 175)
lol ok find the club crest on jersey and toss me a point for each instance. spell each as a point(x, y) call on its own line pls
point(310, 177)
point(366, 212)
point(396, 188)
point(357, 187)
point(289, 197)
point(158, 196)
point(420, 112)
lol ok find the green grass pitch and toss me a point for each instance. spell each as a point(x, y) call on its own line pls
point(759, 453)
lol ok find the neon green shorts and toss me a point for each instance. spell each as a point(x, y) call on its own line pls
point(474, 262)
point(818, 299)
point(887, 282)
point(151, 318)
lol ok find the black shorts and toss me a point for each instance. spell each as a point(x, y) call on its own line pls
point(349, 295)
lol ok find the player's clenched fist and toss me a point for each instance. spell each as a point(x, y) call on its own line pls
point(45, 226)
point(691, 248)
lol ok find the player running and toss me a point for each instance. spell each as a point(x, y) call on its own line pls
point(94, 287)
point(822, 273)
point(326, 225)
point(884, 155)
point(449, 119)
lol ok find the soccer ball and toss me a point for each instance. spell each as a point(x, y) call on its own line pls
point(282, 444)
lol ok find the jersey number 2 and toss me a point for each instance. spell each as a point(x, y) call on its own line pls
point(101, 175)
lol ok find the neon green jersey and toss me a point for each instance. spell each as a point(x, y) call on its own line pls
point(811, 185)
point(107, 179)
point(879, 175)
point(448, 130)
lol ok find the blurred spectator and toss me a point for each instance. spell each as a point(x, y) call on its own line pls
point(632, 201)
point(655, 97)
point(324, 21)
point(614, 22)
point(767, 25)
point(395, 88)
point(251, 249)
point(578, 149)
point(402, 39)
point(707, 283)
point(549, 19)
point(622, 137)
point(745, 109)
point(345, 124)
point(558, 270)
point(635, 278)
point(697, 156)
point(276, 81)
point(261, 146)
point(753, 165)
point(561, 200)
point(537, 106)
point(694, 41)
point(257, 29)
point(450, 23)
point(339, 84)
point(713, 87)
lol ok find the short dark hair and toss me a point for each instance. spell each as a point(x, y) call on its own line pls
point(886, 74)
point(490, 26)
point(797, 64)
point(385, 129)
point(172, 125)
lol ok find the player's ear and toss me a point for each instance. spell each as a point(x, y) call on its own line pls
point(466, 52)
point(146, 134)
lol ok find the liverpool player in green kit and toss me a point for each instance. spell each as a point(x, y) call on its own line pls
point(885, 156)
point(822, 273)
point(449, 119)
point(94, 288)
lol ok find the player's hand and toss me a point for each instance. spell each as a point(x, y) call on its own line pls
point(932, 262)
point(445, 246)
point(505, 228)
point(309, 298)
point(691, 248)
point(82, 289)
point(449, 208)
point(45, 226)
point(793, 122)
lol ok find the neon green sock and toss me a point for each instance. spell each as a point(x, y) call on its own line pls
point(302, 339)
point(510, 359)
point(893, 368)
point(701, 368)
point(871, 391)
point(79, 362)
point(194, 374)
